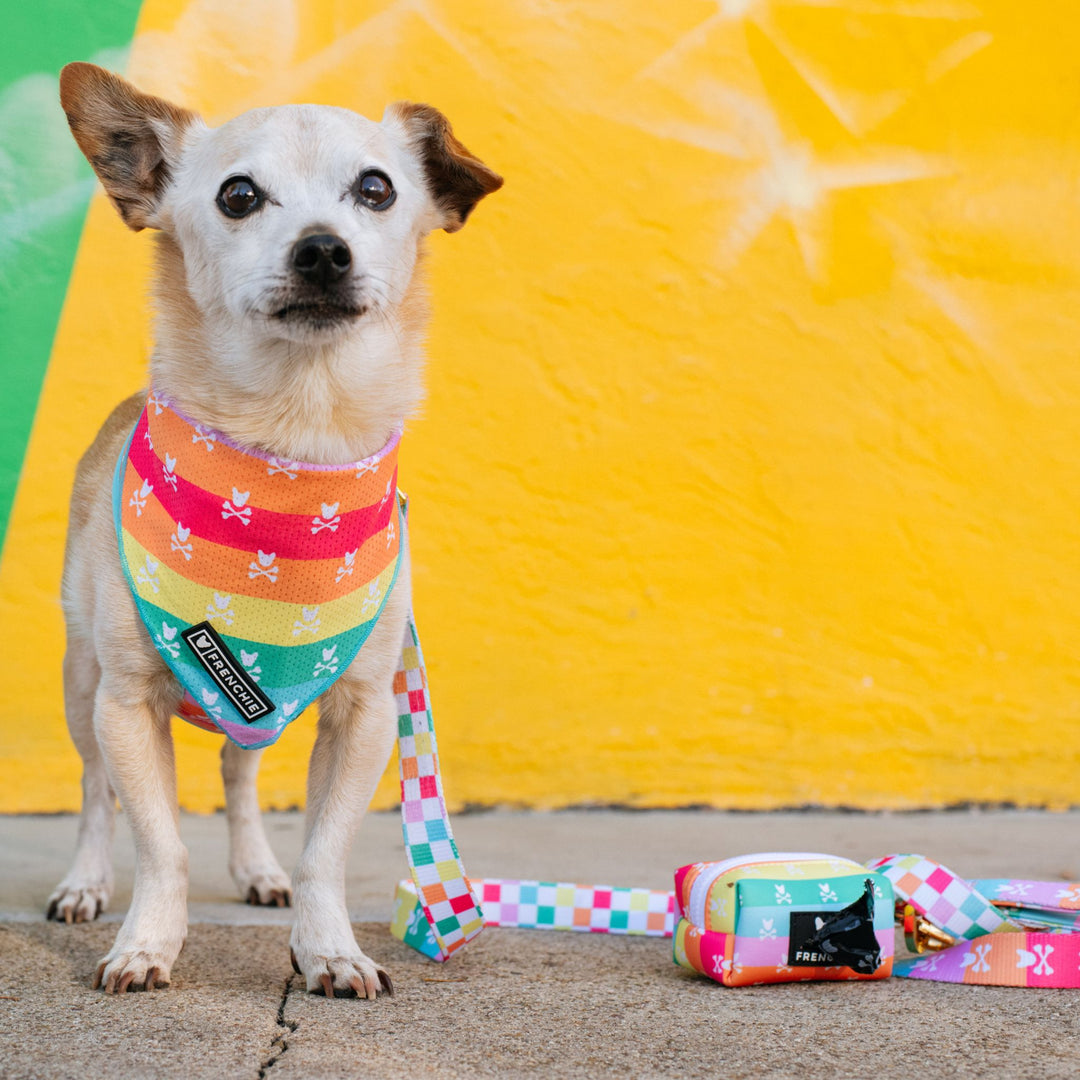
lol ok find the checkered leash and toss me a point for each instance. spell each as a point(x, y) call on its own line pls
point(547, 905)
point(558, 905)
point(440, 909)
point(1002, 942)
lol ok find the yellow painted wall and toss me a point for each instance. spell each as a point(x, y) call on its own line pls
point(750, 470)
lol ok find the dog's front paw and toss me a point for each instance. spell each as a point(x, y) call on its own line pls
point(135, 969)
point(344, 975)
point(73, 902)
point(267, 886)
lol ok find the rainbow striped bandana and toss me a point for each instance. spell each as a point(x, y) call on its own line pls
point(258, 579)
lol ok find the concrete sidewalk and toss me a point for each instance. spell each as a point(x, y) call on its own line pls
point(517, 1003)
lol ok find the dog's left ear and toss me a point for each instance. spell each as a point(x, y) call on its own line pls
point(131, 139)
point(456, 179)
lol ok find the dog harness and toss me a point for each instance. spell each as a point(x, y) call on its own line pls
point(258, 579)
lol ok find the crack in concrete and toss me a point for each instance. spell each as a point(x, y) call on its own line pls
point(281, 1043)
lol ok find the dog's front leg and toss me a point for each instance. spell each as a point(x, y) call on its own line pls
point(85, 891)
point(136, 743)
point(357, 724)
point(253, 865)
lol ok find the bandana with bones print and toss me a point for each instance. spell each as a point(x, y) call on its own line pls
point(258, 579)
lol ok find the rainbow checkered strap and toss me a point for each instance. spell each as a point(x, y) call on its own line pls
point(559, 905)
point(545, 905)
point(946, 899)
point(995, 951)
point(439, 913)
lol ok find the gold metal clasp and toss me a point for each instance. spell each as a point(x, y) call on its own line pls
point(920, 934)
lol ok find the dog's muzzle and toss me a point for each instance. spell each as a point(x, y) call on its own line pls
point(324, 290)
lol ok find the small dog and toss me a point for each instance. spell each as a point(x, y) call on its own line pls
point(289, 318)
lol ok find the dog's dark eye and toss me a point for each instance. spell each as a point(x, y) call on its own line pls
point(374, 190)
point(238, 197)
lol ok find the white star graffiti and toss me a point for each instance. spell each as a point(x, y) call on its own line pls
point(787, 179)
point(857, 112)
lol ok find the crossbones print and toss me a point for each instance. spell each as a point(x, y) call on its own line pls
point(328, 663)
point(330, 519)
point(169, 470)
point(279, 468)
point(347, 569)
point(145, 575)
point(139, 497)
point(179, 541)
point(1040, 957)
point(248, 660)
point(165, 640)
point(204, 436)
point(977, 961)
point(1043, 953)
point(209, 703)
point(928, 963)
point(220, 609)
point(236, 508)
point(373, 597)
point(309, 620)
point(1018, 888)
point(265, 567)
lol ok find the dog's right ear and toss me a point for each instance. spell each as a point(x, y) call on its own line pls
point(130, 138)
point(456, 179)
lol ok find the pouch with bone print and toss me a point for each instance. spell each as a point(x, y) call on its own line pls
point(783, 917)
point(258, 579)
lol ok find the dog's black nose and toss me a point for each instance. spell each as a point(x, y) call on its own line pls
point(321, 259)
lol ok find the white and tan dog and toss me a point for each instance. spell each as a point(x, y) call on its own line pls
point(289, 316)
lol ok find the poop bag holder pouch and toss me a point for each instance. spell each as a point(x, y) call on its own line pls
point(783, 917)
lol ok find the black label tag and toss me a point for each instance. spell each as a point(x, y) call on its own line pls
point(842, 938)
point(803, 950)
point(220, 664)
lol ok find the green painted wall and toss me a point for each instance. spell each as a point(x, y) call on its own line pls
point(44, 188)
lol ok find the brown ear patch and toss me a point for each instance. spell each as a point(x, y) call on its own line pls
point(126, 135)
point(457, 180)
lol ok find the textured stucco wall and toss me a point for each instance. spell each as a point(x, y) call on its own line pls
point(749, 469)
